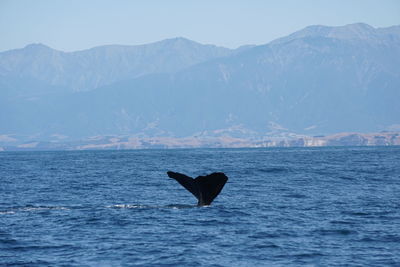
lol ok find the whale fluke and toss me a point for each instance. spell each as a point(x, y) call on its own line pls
point(204, 188)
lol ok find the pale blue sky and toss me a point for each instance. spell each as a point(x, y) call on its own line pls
point(70, 25)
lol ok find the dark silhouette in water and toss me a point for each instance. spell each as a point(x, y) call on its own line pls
point(204, 188)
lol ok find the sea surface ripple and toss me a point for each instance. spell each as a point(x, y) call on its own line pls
point(281, 207)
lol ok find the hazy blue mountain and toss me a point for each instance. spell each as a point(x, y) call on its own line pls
point(99, 66)
point(319, 80)
point(357, 32)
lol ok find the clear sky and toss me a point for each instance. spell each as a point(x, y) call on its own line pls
point(70, 25)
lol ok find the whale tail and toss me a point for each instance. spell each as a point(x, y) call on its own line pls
point(204, 188)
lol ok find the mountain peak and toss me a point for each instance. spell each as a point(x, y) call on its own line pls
point(358, 25)
point(178, 41)
point(352, 31)
point(37, 46)
point(355, 31)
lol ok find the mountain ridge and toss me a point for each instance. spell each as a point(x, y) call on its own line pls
point(98, 66)
point(313, 84)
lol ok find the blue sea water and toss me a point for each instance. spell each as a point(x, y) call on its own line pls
point(280, 207)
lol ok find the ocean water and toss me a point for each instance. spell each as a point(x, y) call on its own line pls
point(280, 207)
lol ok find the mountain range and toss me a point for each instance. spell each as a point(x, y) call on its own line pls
point(317, 81)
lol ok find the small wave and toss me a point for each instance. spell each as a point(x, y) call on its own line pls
point(384, 238)
point(356, 213)
point(336, 232)
point(171, 206)
point(43, 208)
point(273, 170)
point(6, 212)
point(348, 178)
point(35, 208)
point(31, 208)
point(128, 206)
point(183, 206)
point(8, 241)
point(340, 222)
point(265, 235)
point(266, 245)
point(295, 195)
point(39, 247)
point(308, 255)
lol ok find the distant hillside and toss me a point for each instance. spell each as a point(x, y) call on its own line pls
point(134, 142)
point(318, 81)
